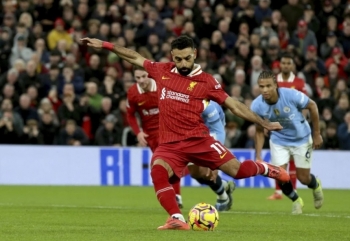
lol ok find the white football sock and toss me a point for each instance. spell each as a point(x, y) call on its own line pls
point(179, 216)
point(224, 195)
point(179, 198)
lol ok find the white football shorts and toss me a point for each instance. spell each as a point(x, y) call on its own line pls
point(280, 155)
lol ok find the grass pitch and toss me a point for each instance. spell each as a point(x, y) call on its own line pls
point(133, 213)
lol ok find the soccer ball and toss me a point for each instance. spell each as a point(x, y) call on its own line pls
point(203, 217)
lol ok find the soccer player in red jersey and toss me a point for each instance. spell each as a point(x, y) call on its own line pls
point(143, 100)
point(183, 91)
point(288, 79)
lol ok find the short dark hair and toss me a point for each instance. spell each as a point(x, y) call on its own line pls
point(267, 75)
point(136, 67)
point(182, 42)
point(287, 56)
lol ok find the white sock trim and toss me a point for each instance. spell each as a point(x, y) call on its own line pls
point(278, 192)
point(266, 168)
point(179, 216)
point(164, 190)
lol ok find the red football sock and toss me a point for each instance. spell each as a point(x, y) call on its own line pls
point(293, 173)
point(250, 168)
point(176, 187)
point(165, 193)
point(278, 188)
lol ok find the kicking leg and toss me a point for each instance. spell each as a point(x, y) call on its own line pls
point(160, 173)
point(250, 168)
point(222, 188)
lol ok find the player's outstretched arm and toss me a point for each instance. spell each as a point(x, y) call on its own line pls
point(124, 53)
point(315, 120)
point(259, 140)
point(244, 112)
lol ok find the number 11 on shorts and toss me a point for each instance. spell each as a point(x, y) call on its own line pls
point(220, 149)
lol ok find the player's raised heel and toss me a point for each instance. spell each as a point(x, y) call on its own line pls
point(276, 172)
point(173, 223)
point(275, 196)
point(318, 195)
point(297, 206)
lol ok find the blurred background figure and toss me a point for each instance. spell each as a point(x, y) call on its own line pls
point(41, 58)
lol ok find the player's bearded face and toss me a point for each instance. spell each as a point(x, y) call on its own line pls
point(184, 60)
point(185, 70)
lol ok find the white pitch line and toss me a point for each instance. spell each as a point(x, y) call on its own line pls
point(322, 215)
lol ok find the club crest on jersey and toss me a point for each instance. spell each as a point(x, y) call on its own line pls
point(277, 112)
point(191, 86)
point(286, 109)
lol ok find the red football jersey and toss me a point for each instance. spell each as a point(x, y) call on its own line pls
point(182, 100)
point(292, 82)
point(146, 105)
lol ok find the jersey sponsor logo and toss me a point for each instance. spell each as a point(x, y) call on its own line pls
point(153, 111)
point(162, 96)
point(168, 94)
point(277, 112)
point(165, 77)
point(286, 109)
point(192, 85)
point(212, 113)
point(141, 103)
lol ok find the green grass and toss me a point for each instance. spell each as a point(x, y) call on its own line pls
point(133, 213)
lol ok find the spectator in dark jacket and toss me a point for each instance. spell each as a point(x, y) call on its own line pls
point(72, 135)
point(344, 133)
point(24, 109)
point(108, 134)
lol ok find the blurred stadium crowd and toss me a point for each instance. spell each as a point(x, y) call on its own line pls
point(55, 91)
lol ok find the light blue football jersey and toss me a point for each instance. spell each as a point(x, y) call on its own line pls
point(287, 111)
point(214, 119)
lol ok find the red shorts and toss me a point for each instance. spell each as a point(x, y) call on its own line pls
point(153, 141)
point(202, 151)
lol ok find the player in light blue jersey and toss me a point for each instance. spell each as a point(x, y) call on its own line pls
point(295, 139)
point(214, 119)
